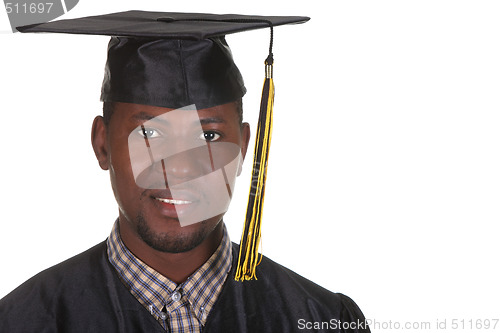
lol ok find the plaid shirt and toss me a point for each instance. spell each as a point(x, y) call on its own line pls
point(178, 308)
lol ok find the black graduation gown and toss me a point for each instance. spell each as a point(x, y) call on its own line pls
point(84, 294)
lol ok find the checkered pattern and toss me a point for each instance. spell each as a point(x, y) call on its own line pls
point(178, 308)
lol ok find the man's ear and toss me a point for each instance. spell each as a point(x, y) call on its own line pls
point(100, 142)
point(245, 139)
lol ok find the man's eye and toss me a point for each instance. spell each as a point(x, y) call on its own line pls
point(149, 133)
point(210, 136)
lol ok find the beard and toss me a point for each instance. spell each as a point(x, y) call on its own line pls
point(170, 243)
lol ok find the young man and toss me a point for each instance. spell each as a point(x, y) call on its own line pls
point(172, 138)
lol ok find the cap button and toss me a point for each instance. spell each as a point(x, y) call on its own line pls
point(165, 19)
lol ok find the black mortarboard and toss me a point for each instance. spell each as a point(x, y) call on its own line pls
point(178, 59)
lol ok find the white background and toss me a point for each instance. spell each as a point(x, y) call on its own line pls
point(384, 176)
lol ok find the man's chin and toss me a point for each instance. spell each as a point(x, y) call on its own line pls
point(177, 240)
point(168, 245)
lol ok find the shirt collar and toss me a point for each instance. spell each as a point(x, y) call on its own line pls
point(155, 291)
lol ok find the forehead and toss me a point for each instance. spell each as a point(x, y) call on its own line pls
point(126, 112)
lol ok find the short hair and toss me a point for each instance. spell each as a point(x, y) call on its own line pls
point(108, 108)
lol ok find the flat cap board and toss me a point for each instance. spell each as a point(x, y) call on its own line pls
point(137, 23)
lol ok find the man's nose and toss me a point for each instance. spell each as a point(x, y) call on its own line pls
point(186, 165)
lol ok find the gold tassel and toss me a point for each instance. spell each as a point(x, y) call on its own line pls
point(249, 256)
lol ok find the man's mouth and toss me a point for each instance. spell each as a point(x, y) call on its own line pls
point(174, 201)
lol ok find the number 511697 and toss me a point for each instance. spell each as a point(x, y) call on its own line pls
point(28, 8)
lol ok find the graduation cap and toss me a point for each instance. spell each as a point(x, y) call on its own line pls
point(190, 50)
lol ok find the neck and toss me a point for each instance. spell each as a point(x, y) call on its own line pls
point(175, 266)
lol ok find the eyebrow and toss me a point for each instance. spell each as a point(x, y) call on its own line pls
point(144, 116)
point(211, 120)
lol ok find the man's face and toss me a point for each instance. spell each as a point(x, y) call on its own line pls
point(172, 171)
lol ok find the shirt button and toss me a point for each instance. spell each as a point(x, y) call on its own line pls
point(203, 313)
point(176, 296)
point(163, 315)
